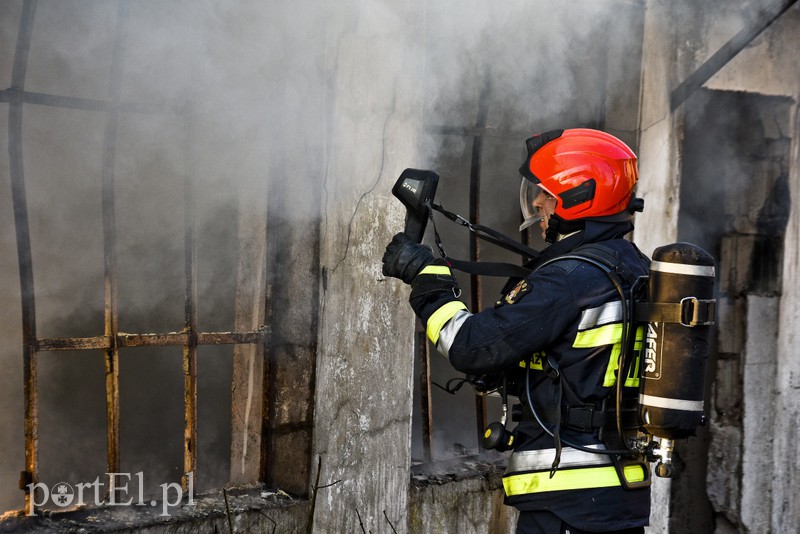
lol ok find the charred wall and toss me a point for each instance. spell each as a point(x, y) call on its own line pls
point(147, 142)
point(735, 203)
point(719, 132)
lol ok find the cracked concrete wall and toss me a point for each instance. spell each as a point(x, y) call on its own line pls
point(785, 513)
point(366, 327)
point(364, 367)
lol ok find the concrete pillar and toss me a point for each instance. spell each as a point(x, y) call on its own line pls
point(786, 458)
point(659, 167)
point(659, 163)
point(362, 436)
point(623, 78)
point(758, 427)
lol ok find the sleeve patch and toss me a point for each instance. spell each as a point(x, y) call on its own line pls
point(522, 287)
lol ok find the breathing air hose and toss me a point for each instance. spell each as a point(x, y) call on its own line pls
point(542, 424)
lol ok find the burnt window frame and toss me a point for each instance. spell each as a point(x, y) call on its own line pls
point(475, 137)
point(112, 340)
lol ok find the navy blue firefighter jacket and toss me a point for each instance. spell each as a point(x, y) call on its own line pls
point(567, 311)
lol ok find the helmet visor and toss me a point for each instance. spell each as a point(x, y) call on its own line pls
point(531, 214)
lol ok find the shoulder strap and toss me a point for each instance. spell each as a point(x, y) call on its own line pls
point(485, 268)
point(609, 257)
point(489, 268)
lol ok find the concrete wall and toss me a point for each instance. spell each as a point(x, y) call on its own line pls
point(365, 370)
point(769, 500)
point(746, 485)
point(466, 499)
point(364, 366)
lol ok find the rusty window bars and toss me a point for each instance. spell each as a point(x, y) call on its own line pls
point(112, 340)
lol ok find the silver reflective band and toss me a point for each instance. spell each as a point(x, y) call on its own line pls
point(671, 404)
point(543, 459)
point(611, 312)
point(448, 333)
point(682, 268)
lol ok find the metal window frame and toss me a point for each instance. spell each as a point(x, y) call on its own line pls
point(112, 340)
point(421, 346)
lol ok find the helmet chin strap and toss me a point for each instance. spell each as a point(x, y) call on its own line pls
point(557, 226)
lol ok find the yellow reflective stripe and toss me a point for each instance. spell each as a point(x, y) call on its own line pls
point(436, 269)
point(570, 479)
point(610, 377)
point(597, 337)
point(535, 361)
point(611, 334)
point(440, 318)
point(632, 380)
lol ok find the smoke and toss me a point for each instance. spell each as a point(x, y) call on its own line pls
point(234, 100)
point(507, 72)
point(215, 96)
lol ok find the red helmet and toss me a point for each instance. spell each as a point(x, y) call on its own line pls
point(591, 174)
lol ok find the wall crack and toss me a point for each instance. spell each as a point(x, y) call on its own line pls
point(371, 189)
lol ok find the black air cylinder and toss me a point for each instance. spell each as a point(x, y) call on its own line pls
point(672, 388)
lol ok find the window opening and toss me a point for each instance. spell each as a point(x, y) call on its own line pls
point(112, 340)
point(474, 137)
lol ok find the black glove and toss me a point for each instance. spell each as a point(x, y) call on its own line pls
point(404, 258)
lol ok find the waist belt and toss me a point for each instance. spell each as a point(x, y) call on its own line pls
point(588, 418)
point(583, 418)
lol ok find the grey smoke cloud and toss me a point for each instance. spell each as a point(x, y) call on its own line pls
point(206, 104)
point(237, 98)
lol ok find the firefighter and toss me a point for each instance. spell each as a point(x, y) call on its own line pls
point(561, 326)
